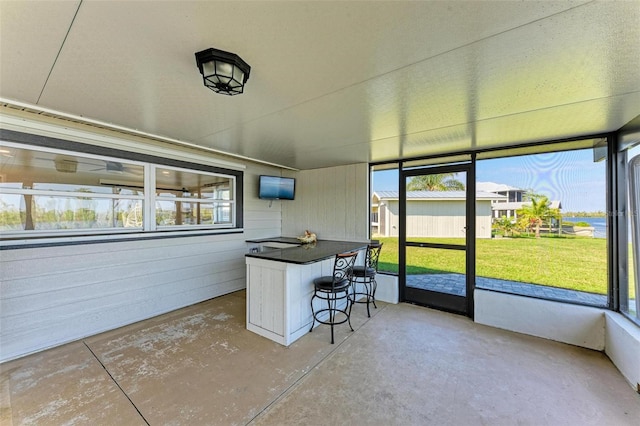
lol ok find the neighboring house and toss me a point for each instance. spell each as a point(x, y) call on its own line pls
point(431, 213)
point(511, 209)
point(512, 201)
point(512, 194)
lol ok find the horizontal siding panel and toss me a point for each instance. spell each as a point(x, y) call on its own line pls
point(54, 295)
point(32, 300)
point(258, 215)
point(103, 319)
point(89, 308)
point(165, 287)
point(63, 278)
point(120, 256)
point(265, 224)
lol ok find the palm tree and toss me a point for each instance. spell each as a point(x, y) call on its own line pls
point(538, 212)
point(438, 182)
point(530, 194)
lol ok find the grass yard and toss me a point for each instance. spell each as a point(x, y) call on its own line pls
point(572, 263)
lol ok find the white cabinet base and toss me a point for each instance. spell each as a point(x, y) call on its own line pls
point(279, 297)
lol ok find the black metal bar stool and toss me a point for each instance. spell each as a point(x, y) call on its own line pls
point(366, 276)
point(334, 288)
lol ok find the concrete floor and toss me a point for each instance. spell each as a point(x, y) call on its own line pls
point(405, 365)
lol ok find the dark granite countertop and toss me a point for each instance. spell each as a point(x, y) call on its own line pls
point(290, 240)
point(304, 253)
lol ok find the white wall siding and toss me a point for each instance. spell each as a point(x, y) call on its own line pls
point(483, 219)
point(53, 295)
point(262, 218)
point(332, 202)
point(57, 294)
point(393, 222)
point(436, 218)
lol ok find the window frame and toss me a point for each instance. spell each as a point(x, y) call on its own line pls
point(616, 193)
point(157, 198)
point(621, 215)
point(150, 163)
point(576, 144)
point(70, 194)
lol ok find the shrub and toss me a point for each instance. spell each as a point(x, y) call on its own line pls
point(581, 223)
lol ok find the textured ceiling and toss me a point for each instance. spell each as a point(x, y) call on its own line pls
point(332, 82)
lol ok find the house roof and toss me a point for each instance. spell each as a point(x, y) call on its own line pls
point(495, 187)
point(436, 195)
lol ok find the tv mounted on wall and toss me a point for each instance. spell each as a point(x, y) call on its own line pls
point(277, 188)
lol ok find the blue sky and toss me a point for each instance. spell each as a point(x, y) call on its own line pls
point(570, 177)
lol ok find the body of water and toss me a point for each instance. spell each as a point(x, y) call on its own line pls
point(599, 224)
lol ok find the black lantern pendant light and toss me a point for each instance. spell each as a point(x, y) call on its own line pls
point(223, 72)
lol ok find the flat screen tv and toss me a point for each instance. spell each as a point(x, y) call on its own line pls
point(277, 188)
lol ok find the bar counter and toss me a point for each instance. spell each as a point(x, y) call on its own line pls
point(303, 254)
point(280, 284)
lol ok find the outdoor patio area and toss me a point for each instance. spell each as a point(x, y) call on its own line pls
point(406, 365)
point(455, 284)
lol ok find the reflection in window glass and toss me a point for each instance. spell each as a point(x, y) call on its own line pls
point(48, 192)
point(37, 212)
point(50, 171)
point(83, 213)
point(44, 190)
point(11, 212)
point(549, 231)
point(187, 198)
point(87, 188)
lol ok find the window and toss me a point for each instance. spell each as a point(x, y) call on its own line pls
point(48, 192)
point(558, 250)
point(553, 242)
point(384, 226)
point(44, 192)
point(187, 198)
point(630, 303)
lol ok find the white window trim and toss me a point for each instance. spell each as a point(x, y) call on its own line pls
point(154, 198)
point(110, 237)
point(149, 229)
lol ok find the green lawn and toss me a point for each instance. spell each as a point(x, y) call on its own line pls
point(573, 263)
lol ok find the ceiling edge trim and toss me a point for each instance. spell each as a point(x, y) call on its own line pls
point(47, 112)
